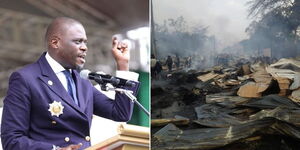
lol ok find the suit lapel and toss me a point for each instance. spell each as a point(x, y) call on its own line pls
point(79, 89)
point(51, 80)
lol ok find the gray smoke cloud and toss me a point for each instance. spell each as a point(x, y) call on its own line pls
point(226, 19)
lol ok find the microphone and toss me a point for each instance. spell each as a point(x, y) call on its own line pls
point(105, 78)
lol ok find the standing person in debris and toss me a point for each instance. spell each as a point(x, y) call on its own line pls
point(169, 63)
point(189, 60)
point(186, 62)
point(158, 69)
point(153, 62)
point(48, 106)
point(177, 61)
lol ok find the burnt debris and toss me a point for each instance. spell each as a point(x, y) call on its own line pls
point(244, 106)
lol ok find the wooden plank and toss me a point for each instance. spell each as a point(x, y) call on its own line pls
point(214, 98)
point(162, 122)
point(207, 77)
point(251, 89)
point(284, 84)
point(246, 69)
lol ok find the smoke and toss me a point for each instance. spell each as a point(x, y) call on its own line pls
point(225, 19)
point(226, 23)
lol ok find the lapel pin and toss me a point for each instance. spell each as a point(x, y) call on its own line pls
point(50, 82)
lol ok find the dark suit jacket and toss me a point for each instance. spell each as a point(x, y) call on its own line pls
point(28, 124)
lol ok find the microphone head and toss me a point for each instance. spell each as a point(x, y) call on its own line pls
point(114, 81)
point(129, 83)
point(85, 74)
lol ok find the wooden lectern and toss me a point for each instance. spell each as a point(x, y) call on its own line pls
point(130, 137)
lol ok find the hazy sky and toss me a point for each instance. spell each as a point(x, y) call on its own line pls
point(227, 19)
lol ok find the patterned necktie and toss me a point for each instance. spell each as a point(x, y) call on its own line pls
point(71, 86)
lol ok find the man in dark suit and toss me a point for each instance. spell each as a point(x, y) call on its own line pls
point(48, 106)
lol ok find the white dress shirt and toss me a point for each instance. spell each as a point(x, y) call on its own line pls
point(58, 70)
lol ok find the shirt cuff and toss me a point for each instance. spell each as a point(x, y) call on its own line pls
point(128, 75)
point(56, 147)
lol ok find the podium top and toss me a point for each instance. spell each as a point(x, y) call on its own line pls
point(134, 131)
point(128, 134)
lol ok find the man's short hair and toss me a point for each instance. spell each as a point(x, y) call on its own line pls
point(58, 26)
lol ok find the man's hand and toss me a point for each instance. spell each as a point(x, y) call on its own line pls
point(121, 54)
point(71, 147)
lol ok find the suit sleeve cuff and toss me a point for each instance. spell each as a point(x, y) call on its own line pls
point(128, 75)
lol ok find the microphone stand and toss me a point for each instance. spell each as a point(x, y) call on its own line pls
point(128, 93)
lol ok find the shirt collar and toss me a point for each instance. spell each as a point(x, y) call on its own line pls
point(56, 67)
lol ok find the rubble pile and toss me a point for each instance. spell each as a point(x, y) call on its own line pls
point(244, 107)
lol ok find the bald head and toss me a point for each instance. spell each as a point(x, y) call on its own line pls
point(58, 27)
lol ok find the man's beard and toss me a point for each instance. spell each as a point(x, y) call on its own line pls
point(79, 67)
